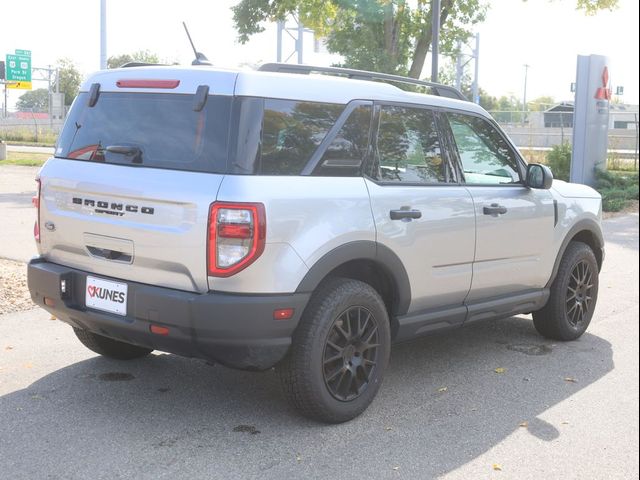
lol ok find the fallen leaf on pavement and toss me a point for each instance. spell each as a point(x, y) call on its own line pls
point(500, 370)
point(524, 424)
point(497, 467)
point(8, 347)
point(570, 380)
point(565, 423)
point(298, 457)
point(395, 468)
point(442, 389)
point(388, 429)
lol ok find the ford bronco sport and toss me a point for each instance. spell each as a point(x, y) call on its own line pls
point(279, 218)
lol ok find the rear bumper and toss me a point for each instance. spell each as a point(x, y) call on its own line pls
point(236, 330)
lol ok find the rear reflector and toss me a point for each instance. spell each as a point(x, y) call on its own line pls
point(147, 83)
point(49, 302)
point(283, 313)
point(158, 330)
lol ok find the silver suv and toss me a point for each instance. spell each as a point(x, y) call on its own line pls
point(302, 221)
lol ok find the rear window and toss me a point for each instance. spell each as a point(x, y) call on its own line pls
point(149, 130)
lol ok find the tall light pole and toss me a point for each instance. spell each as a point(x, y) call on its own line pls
point(476, 86)
point(435, 38)
point(524, 96)
point(103, 34)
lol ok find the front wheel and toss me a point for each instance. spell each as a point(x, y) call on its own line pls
point(339, 352)
point(573, 295)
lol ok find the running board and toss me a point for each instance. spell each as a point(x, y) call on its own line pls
point(427, 321)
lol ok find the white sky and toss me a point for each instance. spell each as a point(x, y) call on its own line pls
point(544, 34)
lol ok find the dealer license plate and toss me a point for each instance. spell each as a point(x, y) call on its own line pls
point(106, 295)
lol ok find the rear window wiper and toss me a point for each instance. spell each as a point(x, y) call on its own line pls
point(128, 151)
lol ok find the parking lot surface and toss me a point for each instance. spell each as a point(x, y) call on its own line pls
point(491, 400)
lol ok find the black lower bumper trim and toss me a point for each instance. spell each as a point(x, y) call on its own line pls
point(236, 330)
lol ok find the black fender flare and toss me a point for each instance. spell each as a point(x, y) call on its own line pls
point(586, 224)
point(361, 250)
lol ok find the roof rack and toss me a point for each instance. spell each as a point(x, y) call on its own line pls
point(141, 64)
point(438, 89)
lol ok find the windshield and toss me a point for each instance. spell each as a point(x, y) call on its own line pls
point(148, 129)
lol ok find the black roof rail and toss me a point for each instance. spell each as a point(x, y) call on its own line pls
point(142, 64)
point(438, 89)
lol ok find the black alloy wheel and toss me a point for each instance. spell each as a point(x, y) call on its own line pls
point(350, 353)
point(579, 293)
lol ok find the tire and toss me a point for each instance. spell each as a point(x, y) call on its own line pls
point(317, 375)
point(110, 348)
point(574, 294)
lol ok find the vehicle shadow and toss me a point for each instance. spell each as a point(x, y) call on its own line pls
point(442, 404)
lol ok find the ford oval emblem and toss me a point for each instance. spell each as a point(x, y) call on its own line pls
point(50, 226)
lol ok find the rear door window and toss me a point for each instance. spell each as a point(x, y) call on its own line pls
point(408, 147)
point(149, 130)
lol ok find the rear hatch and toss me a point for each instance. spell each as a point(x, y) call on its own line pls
point(135, 171)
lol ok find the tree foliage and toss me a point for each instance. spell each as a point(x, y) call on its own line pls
point(34, 100)
point(144, 56)
point(69, 78)
point(392, 36)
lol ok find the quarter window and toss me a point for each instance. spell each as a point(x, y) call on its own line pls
point(486, 157)
point(345, 154)
point(408, 147)
point(292, 131)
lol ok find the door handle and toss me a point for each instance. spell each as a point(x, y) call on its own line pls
point(494, 210)
point(405, 213)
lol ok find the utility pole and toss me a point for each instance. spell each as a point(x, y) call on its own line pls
point(476, 85)
point(103, 34)
point(435, 39)
point(281, 27)
point(459, 66)
point(524, 96)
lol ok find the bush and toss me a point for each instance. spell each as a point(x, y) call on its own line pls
point(617, 189)
point(559, 161)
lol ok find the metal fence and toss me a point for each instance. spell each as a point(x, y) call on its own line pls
point(30, 126)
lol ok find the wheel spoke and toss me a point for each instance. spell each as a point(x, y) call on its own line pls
point(334, 346)
point(335, 374)
point(373, 331)
point(333, 359)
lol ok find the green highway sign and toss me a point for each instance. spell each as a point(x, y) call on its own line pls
point(18, 67)
point(26, 53)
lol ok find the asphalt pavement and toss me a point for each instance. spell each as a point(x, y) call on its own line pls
point(557, 410)
point(17, 188)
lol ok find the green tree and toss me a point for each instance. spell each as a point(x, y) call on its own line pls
point(392, 36)
point(69, 78)
point(143, 56)
point(34, 100)
point(541, 104)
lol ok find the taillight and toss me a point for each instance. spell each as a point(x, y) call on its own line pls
point(237, 234)
point(36, 203)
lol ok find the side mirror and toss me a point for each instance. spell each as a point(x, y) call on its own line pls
point(539, 176)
